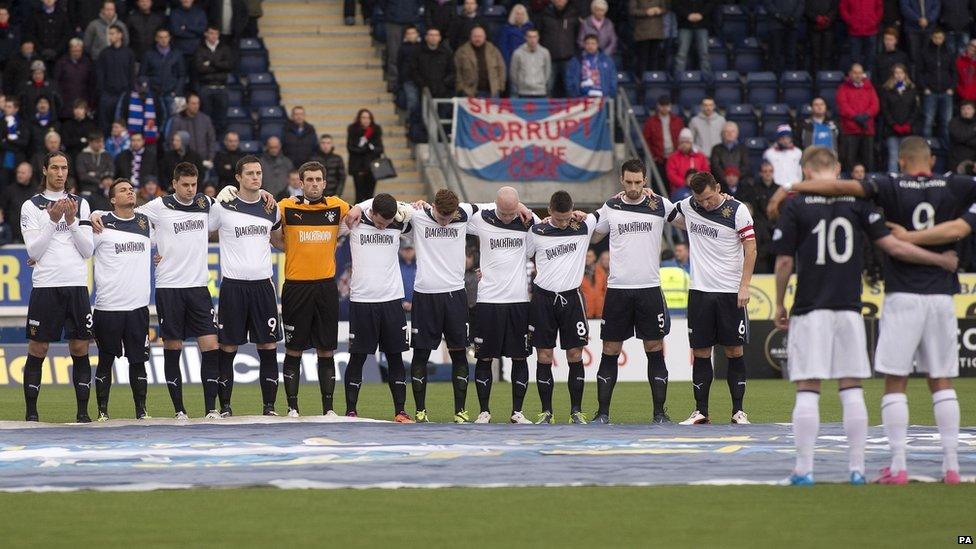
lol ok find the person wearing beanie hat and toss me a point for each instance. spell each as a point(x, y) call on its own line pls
point(684, 158)
point(730, 179)
point(784, 157)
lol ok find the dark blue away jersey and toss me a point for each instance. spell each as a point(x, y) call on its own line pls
point(826, 237)
point(918, 202)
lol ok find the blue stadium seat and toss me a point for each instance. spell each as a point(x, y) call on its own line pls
point(728, 88)
point(827, 82)
point(262, 90)
point(253, 56)
point(761, 88)
point(796, 88)
point(656, 84)
point(639, 111)
point(772, 116)
point(763, 21)
point(691, 89)
point(624, 79)
point(270, 113)
point(626, 83)
point(251, 147)
point(235, 96)
point(748, 56)
point(735, 24)
point(718, 55)
point(745, 117)
point(240, 121)
point(940, 153)
point(271, 128)
point(756, 147)
point(804, 112)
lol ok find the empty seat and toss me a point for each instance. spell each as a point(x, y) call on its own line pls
point(940, 153)
point(271, 128)
point(262, 89)
point(735, 23)
point(656, 84)
point(271, 112)
point(252, 62)
point(235, 96)
point(745, 117)
point(691, 89)
point(772, 116)
point(827, 82)
point(240, 122)
point(762, 20)
point(718, 55)
point(796, 88)
point(748, 56)
point(756, 147)
point(250, 147)
point(728, 88)
point(761, 88)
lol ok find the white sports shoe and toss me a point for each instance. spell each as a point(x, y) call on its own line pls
point(696, 418)
point(520, 419)
point(181, 416)
point(214, 414)
point(483, 417)
point(740, 418)
point(331, 413)
point(292, 412)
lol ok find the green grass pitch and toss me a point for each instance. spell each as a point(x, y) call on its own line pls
point(664, 516)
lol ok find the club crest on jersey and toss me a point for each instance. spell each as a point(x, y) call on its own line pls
point(331, 216)
point(142, 223)
point(457, 216)
point(727, 212)
point(652, 202)
point(201, 202)
point(574, 225)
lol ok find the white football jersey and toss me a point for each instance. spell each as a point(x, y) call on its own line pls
point(440, 250)
point(123, 254)
point(245, 238)
point(504, 278)
point(60, 250)
point(715, 243)
point(635, 240)
point(182, 232)
point(376, 261)
point(560, 254)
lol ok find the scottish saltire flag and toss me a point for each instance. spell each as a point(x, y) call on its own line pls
point(533, 139)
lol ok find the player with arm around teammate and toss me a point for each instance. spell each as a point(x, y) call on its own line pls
point(822, 237)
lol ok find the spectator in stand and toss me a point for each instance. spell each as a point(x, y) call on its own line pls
point(661, 130)
point(143, 23)
point(13, 196)
point(707, 126)
point(276, 166)
point(213, 62)
point(857, 103)
point(591, 73)
point(138, 162)
point(294, 187)
point(398, 14)
point(962, 136)
point(681, 257)
point(821, 17)
point(647, 17)
point(99, 199)
point(187, 23)
point(96, 34)
point(118, 139)
point(9, 38)
point(558, 27)
point(936, 79)
point(75, 132)
point(479, 67)
point(408, 272)
point(254, 12)
point(81, 13)
point(74, 75)
point(966, 73)
point(38, 86)
point(439, 14)
point(863, 20)
point(179, 152)
point(511, 35)
point(231, 18)
point(299, 138)
point(531, 68)
point(694, 19)
point(819, 130)
point(15, 140)
point(890, 55)
point(49, 144)
point(406, 75)
point(17, 71)
point(899, 109)
point(150, 191)
point(730, 180)
point(685, 157)
point(956, 19)
point(859, 172)
point(785, 17)
point(785, 157)
point(43, 121)
point(93, 163)
point(594, 285)
point(166, 71)
point(729, 154)
point(461, 26)
point(225, 161)
point(335, 167)
point(202, 137)
point(435, 66)
point(600, 26)
point(918, 16)
point(364, 140)
point(114, 76)
point(50, 29)
point(756, 196)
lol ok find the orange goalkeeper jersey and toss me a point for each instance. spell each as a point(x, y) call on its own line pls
point(310, 232)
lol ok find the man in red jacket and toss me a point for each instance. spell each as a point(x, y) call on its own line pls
point(857, 103)
point(684, 158)
point(863, 19)
point(660, 143)
point(966, 69)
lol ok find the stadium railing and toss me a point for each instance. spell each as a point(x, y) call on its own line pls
point(439, 143)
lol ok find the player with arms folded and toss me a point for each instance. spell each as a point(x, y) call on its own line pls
point(824, 237)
